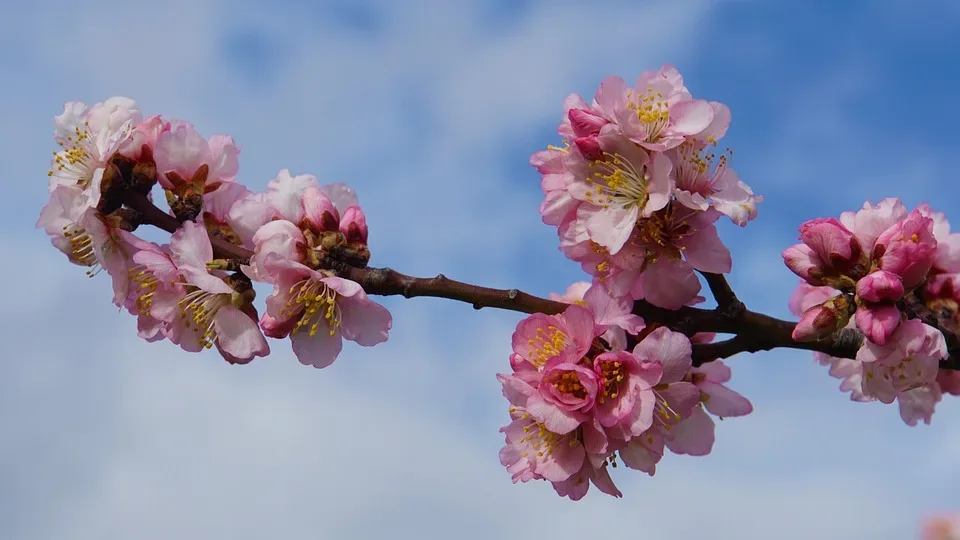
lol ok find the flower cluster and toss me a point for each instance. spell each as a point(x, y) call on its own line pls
point(870, 270)
point(197, 290)
point(581, 397)
point(637, 187)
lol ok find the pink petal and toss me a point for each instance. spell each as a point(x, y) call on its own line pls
point(612, 227)
point(706, 252)
point(364, 321)
point(319, 350)
point(554, 418)
point(190, 245)
point(722, 401)
point(671, 349)
point(670, 283)
point(238, 334)
point(693, 436)
point(690, 117)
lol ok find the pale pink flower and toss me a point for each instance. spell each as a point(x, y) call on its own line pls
point(88, 137)
point(703, 180)
point(532, 451)
point(948, 243)
point(154, 290)
point(211, 312)
point(558, 205)
point(618, 187)
point(574, 293)
point(326, 310)
point(675, 397)
point(824, 319)
point(658, 112)
point(907, 249)
point(566, 393)
point(85, 236)
point(181, 151)
point(849, 371)
point(909, 360)
point(626, 396)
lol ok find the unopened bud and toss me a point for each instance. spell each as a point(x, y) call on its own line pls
point(319, 211)
point(824, 319)
point(585, 123)
point(589, 147)
point(880, 286)
point(353, 225)
point(144, 173)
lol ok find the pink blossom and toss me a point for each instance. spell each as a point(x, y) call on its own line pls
point(870, 221)
point(154, 288)
point(658, 113)
point(574, 293)
point(909, 360)
point(626, 395)
point(703, 180)
point(211, 311)
point(326, 310)
point(948, 243)
point(540, 338)
point(675, 397)
point(558, 205)
point(88, 138)
point(617, 188)
point(908, 249)
point(878, 322)
point(181, 152)
point(567, 392)
point(353, 225)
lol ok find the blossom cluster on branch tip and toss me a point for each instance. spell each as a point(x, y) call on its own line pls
point(594, 386)
point(300, 233)
point(638, 185)
point(870, 270)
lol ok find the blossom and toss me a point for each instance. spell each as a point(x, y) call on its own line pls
point(908, 249)
point(948, 243)
point(716, 397)
point(185, 158)
point(704, 180)
point(319, 310)
point(658, 113)
point(212, 308)
point(88, 138)
point(910, 359)
point(824, 319)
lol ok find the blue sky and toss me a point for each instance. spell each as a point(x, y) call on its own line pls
point(431, 110)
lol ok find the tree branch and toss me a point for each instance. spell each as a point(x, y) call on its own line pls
point(752, 331)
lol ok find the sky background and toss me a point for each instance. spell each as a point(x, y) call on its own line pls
point(431, 110)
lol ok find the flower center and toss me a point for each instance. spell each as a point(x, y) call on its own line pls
point(77, 160)
point(200, 307)
point(147, 284)
point(698, 169)
point(663, 411)
point(318, 305)
point(617, 181)
point(539, 439)
point(652, 110)
point(612, 377)
point(665, 231)
point(568, 383)
point(546, 345)
point(82, 249)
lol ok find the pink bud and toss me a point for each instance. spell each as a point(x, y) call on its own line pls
point(824, 319)
point(833, 243)
point(585, 123)
point(589, 147)
point(273, 328)
point(354, 225)
point(319, 211)
point(804, 262)
point(907, 249)
point(878, 322)
point(880, 286)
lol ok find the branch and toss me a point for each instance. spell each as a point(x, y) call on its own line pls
point(753, 331)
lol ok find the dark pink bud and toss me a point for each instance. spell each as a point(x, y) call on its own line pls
point(585, 123)
point(589, 148)
point(824, 319)
point(878, 322)
point(319, 211)
point(354, 225)
point(833, 243)
point(907, 249)
point(273, 328)
point(880, 286)
point(804, 262)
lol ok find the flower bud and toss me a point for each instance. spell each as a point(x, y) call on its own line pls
point(878, 322)
point(907, 249)
point(318, 210)
point(589, 147)
point(824, 319)
point(880, 286)
point(353, 225)
point(585, 123)
point(833, 243)
point(804, 262)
